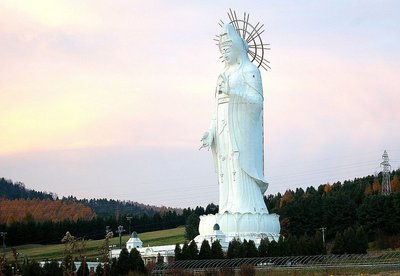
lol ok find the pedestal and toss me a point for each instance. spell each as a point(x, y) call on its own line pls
point(247, 226)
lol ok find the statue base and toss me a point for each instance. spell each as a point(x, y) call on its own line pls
point(227, 226)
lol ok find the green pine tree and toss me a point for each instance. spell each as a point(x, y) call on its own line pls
point(136, 260)
point(192, 226)
point(216, 250)
point(178, 252)
point(205, 251)
point(361, 241)
point(193, 251)
point(338, 244)
point(349, 238)
point(252, 251)
point(124, 264)
point(263, 247)
point(234, 249)
point(185, 254)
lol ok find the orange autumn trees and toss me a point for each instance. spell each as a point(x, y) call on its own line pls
point(42, 210)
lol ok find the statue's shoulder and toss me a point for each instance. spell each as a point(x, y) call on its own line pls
point(251, 71)
point(250, 67)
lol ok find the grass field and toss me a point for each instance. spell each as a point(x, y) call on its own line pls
point(42, 252)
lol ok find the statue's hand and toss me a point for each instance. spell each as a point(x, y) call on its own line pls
point(223, 86)
point(206, 140)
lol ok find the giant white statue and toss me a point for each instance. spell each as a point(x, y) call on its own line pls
point(236, 131)
point(236, 138)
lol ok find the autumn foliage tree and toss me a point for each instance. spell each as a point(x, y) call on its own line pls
point(17, 210)
point(395, 184)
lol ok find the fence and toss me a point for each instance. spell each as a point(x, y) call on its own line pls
point(390, 260)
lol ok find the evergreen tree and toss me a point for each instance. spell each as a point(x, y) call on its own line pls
point(338, 244)
point(349, 237)
point(273, 249)
point(193, 250)
point(243, 249)
point(136, 261)
point(124, 264)
point(252, 251)
point(185, 254)
point(361, 241)
point(100, 270)
point(205, 251)
point(216, 250)
point(234, 249)
point(178, 252)
point(306, 245)
point(211, 209)
point(192, 226)
point(292, 246)
point(263, 247)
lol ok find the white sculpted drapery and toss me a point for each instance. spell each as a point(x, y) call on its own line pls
point(236, 131)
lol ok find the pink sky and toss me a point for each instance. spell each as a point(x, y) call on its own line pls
point(101, 99)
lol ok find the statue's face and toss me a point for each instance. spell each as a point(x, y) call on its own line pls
point(230, 55)
point(228, 52)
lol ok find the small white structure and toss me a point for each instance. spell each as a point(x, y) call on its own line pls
point(133, 242)
point(150, 253)
point(216, 234)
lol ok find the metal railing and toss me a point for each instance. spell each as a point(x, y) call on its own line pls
point(388, 259)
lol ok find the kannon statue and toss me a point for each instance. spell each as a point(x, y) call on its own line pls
point(235, 134)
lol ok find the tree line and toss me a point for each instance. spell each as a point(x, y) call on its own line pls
point(17, 190)
point(355, 204)
point(336, 207)
point(339, 206)
point(48, 232)
point(290, 246)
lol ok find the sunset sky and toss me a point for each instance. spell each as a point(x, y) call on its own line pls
point(109, 99)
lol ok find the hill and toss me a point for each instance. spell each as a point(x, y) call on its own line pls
point(29, 216)
point(10, 190)
point(102, 207)
point(340, 206)
point(18, 210)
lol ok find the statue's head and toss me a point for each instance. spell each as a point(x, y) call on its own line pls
point(232, 46)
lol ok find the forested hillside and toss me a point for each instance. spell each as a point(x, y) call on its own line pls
point(102, 207)
point(37, 217)
point(338, 206)
point(10, 190)
point(108, 207)
point(18, 210)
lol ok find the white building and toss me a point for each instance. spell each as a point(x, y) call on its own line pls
point(150, 253)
